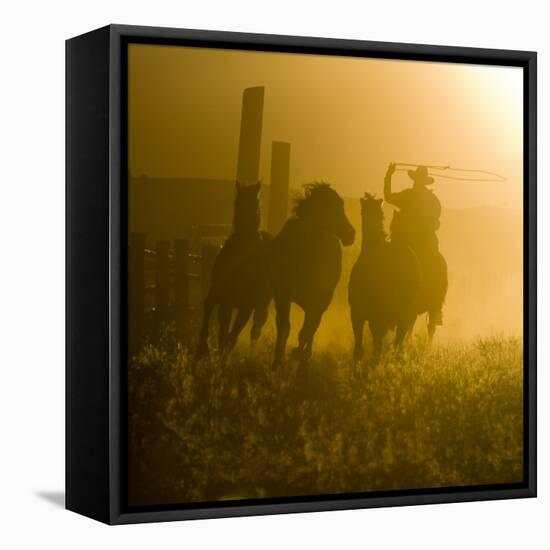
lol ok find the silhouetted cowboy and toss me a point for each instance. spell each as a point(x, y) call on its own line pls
point(417, 221)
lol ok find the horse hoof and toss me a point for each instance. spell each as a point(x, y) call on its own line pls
point(299, 354)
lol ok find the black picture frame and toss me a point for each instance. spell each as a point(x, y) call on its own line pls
point(96, 267)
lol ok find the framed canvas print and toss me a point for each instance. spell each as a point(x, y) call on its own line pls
point(301, 274)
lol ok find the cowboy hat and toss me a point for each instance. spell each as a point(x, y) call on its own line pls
point(420, 175)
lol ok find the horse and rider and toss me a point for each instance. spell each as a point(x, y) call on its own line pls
point(415, 225)
point(391, 283)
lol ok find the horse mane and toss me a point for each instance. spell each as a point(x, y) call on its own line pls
point(311, 190)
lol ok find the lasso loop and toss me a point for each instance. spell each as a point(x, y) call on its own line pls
point(494, 177)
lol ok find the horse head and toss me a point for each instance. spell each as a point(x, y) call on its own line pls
point(324, 207)
point(373, 217)
point(371, 207)
point(246, 216)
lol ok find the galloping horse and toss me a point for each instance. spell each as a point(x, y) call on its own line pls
point(306, 261)
point(239, 276)
point(384, 283)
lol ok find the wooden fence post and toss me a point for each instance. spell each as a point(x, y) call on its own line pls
point(250, 139)
point(181, 283)
point(278, 189)
point(162, 287)
point(136, 291)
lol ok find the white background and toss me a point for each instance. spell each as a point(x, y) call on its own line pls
point(32, 272)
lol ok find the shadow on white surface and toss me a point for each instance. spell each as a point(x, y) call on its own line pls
point(56, 498)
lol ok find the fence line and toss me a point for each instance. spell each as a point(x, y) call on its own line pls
point(167, 284)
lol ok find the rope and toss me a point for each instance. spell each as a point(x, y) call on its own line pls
point(495, 178)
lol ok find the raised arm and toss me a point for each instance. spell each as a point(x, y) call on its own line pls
point(388, 195)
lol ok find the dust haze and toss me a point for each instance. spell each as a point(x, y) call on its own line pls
point(345, 119)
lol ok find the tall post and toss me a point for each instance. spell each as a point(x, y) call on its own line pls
point(278, 192)
point(181, 284)
point(248, 163)
point(136, 293)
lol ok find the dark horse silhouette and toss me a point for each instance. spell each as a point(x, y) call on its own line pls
point(240, 276)
point(433, 271)
point(384, 283)
point(306, 261)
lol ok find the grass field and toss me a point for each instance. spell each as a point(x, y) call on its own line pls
point(446, 416)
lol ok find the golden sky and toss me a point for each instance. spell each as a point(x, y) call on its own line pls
point(346, 118)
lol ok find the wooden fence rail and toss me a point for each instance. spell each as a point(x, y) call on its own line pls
point(165, 285)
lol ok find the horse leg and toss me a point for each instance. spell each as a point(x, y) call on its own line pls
point(440, 285)
point(202, 348)
point(431, 328)
point(402, 330)
point(259, 319)
point(224, 318)
point(434, 319)
point(242, 318)
point(307, 332)
point(283, 329)
point(358, 323)
point(377, 332)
